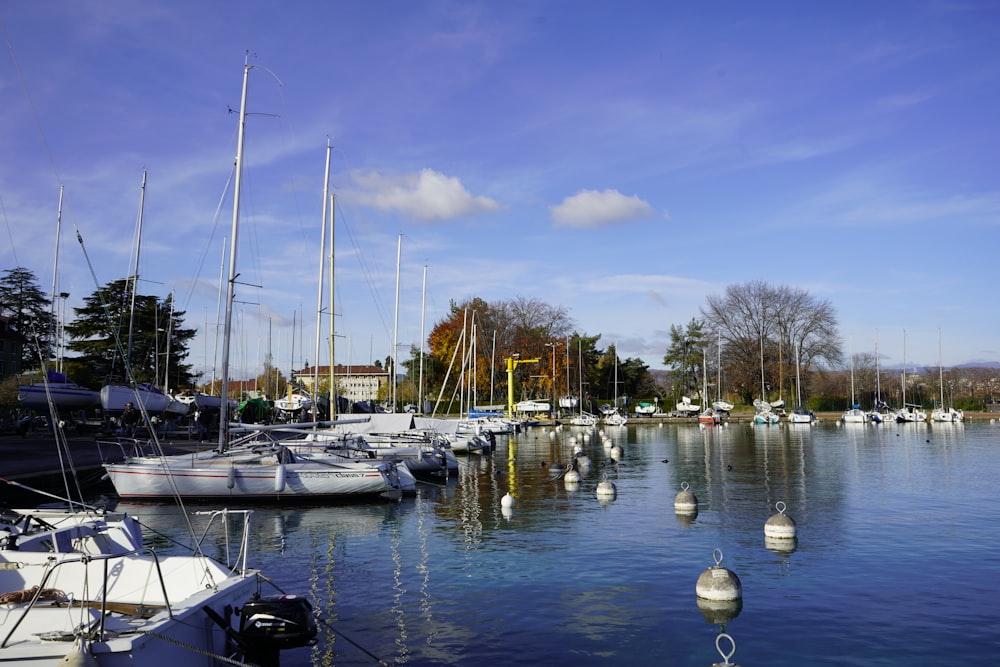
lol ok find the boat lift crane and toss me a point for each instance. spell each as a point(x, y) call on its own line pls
point(512, 363)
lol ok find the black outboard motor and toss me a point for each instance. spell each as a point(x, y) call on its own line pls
point(272, 623)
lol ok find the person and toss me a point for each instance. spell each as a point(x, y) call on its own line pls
point(129, 420)
point(204, 422)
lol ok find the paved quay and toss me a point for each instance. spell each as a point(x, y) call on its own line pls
point(35, 461)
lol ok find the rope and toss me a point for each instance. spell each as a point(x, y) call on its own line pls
point(195, 649)
point(353, 643)
point(44, 595)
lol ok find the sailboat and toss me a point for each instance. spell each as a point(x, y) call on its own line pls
point(114, 397)
point(880, 413)
point(942, 413)
point(81, 589)
point(800, 415)
point(250, 462)
point(615, 417)
point(582, 417)
point(910, 412)
point(763, 413)
point(718, 404)
point(854, 414)
point(54, 387)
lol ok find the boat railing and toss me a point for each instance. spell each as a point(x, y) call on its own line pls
point(53, 566)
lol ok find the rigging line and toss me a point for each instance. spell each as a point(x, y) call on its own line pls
point(6, 222)
point(31, 104)
point(116, 334)
point(211, 237)
point(367, 273)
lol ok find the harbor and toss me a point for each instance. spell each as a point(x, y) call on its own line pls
point(890, 521)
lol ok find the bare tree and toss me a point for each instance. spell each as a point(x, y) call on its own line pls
point(763, 327)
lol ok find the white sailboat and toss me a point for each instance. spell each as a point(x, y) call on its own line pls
point(910, 412)
point(615, 417)
point(854, 414)
point(254, 466)
point(943, 413)
point(582, 417)
point(114, 397)
point(80, 589)
point(54, 387)
point(763, 414)
point(800, 415)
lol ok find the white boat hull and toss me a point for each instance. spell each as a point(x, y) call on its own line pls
point(247, 475)
point(114, 397)
point(64, 396)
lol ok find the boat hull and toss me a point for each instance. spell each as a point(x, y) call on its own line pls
point(64, 397)
point(114, 397)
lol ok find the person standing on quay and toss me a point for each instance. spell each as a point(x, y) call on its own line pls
point(129, 420)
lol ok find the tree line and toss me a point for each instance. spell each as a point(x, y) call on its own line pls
point(752, 341)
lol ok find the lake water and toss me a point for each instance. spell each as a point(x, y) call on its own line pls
point(895, 562)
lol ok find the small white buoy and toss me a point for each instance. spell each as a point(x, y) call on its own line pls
point(780, 526)
point(616, 453)
point(718, 583)
point(606, 488)
point(583, 464)
point(507, 500)
point(552, 435)
point(577, 449)
point(685, 502)
point(571, 476)
point(556, 470)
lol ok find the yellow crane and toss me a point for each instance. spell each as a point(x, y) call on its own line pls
point(512, 363)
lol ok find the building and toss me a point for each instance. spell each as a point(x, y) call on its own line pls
point(355, 383)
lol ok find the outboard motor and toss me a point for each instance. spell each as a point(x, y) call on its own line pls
point(272, 623)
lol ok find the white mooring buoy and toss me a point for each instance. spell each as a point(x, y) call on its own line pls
point(780, 526)
point(507, 500)
point(606, 488)
point(718, 583)
point(685, 502)
point(572, 477)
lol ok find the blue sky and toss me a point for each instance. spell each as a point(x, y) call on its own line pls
point(624, 160)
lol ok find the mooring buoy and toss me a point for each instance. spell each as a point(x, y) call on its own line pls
point(718, 583)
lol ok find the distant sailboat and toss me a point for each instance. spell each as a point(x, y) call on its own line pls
point(942, 413)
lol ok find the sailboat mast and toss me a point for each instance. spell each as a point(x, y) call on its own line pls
point(224, 411)
point(940, 368)
point(55, 281)
point(319, 283)
point(395, 325)
point(333, 321)
point(135, 272)
point(420, 380)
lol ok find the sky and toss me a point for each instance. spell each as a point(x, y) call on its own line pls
point(623, 161)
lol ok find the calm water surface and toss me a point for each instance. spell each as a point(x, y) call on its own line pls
point(895, 561)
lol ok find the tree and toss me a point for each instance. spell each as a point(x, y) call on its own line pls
point(756, 320)
point(108, 328)
point(494, 332)
point(685, 357)
point(30, 315)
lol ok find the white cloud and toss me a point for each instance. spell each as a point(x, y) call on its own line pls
point(425, 195)
point(591, 209)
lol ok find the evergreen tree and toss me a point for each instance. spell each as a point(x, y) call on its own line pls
point(107, 329)
point(30, 315)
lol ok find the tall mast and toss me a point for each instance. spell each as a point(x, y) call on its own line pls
point(55, 284)
point(395, 326)
point(319, 282)
point(224, 411)
point(333, 320)
point(135, 273)
point(420, 381)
